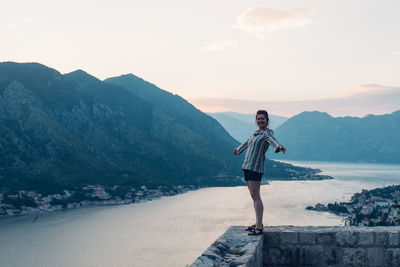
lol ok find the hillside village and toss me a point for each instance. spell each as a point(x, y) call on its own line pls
point(377, 207)
point(31, 202)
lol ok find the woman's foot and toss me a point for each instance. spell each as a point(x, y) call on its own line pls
point(250, 228)
point(256, 231)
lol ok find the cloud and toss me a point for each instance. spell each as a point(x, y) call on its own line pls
point(373, 89)
point(21, 23)
point(29, 20)
point(260, 21)
point(221, 45)
point(12, 25)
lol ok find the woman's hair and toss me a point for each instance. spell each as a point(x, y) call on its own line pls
point(265, 113)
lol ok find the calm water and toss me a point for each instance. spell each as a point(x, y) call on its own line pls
point(173, 231)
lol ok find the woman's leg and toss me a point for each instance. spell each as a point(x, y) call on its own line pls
point(254, 188)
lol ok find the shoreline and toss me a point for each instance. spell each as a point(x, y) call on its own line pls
point(377, 207)
point(119, 202)
point(95, 203)
point(303, 162)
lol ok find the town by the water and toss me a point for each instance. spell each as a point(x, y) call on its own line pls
point(26, 202)
point(377, 207)
point(31, 202)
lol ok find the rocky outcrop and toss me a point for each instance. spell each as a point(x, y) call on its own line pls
point(233, 248)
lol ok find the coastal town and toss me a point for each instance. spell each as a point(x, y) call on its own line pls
point(24, 202)
point(377, 207)
point(31, 202)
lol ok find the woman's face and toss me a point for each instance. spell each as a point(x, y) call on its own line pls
point(261, 121)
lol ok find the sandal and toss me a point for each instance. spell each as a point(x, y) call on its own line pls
point(250, 228)
point(256, 231)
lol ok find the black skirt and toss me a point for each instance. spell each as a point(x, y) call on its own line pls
point(252, 176)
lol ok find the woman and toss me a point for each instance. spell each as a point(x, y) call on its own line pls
point(253, 164)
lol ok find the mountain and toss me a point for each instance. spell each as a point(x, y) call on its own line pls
point(66, 131)
point(241, 126)
point(170, 108)
point(320, 137)
point(274, 120)
point(203, 140)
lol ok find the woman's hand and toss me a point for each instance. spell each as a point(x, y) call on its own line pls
point(283, 149)
point(235, 152)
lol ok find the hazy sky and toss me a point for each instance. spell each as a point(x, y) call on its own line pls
point(254, 50)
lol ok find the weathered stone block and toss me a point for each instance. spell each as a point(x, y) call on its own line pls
point(272, 257)
point(325, 238)
point(392, 256)
point(271, 239)
point(381, 238)
point(291, 255)
point(375, 257)
point(394, 239)
point(311, 255)
point(346, 238)
point(297, 259)
point(289, 238)
point(366, 238)
point(353, 257)
point(203, 262)
point(307, 238)
point(330, 256)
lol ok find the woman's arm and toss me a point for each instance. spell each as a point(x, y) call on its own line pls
point(241, 148)
point(274, 143)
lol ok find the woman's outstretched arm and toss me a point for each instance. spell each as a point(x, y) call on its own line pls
point(241, 148)
point(274, 143)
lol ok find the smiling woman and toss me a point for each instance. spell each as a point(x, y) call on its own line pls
point(253, 164)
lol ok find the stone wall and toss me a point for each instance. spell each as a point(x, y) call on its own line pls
point(233, 248)
point(306, 246)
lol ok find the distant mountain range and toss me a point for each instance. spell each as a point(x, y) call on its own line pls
point(318, 136)
point(67, 131)
point(241, 126)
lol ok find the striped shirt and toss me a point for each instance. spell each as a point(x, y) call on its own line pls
point(257, 145)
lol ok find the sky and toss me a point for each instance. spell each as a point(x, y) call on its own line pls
point(223, 55)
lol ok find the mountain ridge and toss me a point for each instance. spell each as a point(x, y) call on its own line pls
point(65, 131)
point(241, 126)
point(319, 136)
point(75, 129)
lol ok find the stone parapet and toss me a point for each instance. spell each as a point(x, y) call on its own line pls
point(331, 246)
point(305, 246)
point(233, 248)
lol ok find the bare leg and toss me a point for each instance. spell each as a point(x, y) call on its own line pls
point(254, 188)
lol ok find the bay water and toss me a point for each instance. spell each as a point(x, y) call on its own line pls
point(173, 231)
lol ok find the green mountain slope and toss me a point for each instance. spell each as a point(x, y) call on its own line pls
point(180, 123)
point(320, 137)
point(67, 131)
point(207, 132)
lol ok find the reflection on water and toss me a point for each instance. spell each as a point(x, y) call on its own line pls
point(173, 231)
